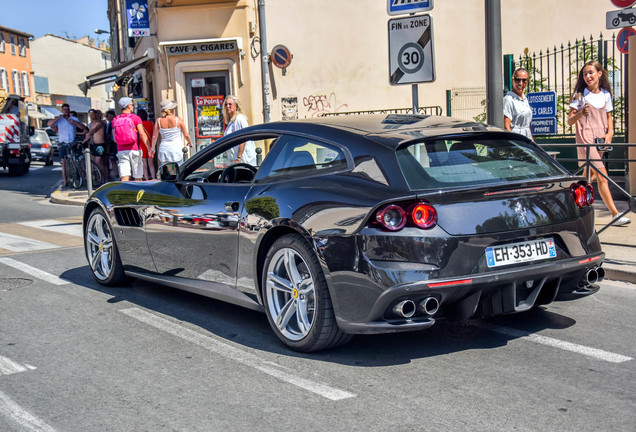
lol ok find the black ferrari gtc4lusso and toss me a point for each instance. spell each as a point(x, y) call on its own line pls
point(356, 224)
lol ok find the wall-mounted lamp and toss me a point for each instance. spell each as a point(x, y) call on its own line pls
point(100, 31)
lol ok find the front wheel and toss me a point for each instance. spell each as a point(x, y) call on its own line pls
point(296, 297)
point(101, 250)
point(74, 174)
point(96, 176)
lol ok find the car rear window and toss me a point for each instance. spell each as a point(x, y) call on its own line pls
point(453, 162)
point(39, 138)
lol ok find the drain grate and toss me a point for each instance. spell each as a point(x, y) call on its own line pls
point(10, 283)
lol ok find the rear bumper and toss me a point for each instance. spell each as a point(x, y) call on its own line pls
point(487, 294)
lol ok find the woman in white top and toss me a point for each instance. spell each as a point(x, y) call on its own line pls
point(172, 130)
point(591, 111)
point(517, 111)
point(235, 120)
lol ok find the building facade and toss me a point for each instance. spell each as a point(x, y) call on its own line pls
point(16, 75)
point(63, 63)
point(196, 52)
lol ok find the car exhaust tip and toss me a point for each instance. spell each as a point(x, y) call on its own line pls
point(600, 271)
point(405, 308)
point(591, 276)
point(429, 305)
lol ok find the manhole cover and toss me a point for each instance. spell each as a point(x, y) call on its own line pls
point(9, 283)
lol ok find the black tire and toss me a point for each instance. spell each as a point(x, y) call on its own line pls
point(632, 19)
point(49, 160)
point(616, 21)
point(74, 175)
point(96, 176)
point(296, 297)
point(101, 250)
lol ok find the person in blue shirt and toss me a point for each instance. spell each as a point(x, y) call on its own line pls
point(65, 125)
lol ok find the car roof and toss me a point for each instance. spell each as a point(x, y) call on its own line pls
point(387, 129)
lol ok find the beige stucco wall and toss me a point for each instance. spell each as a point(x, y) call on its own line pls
point(66, 63)
point(341, 48)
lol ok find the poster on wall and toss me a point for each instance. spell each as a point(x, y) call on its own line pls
point(138, 20)
point(209, 118)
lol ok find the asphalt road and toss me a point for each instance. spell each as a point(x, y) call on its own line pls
point(75, 356)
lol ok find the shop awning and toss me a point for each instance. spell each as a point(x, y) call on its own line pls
point(50, 112)
point(38, 115)
point(122, 70)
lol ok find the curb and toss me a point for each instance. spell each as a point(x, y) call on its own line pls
point(617, 272)
point(71, 198)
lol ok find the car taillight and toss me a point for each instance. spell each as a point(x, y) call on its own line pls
point(45, 145)
point(393, 217)
point(424, 215)
point(582, 193)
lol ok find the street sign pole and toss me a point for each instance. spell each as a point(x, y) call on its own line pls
point(494, 72)
point(416, 102)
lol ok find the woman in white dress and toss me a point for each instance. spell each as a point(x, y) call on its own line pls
point(173, 131)
point(235, 120)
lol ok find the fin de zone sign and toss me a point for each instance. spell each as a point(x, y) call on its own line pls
point(411, 50)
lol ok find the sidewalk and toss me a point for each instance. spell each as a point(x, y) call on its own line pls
point(619, 243)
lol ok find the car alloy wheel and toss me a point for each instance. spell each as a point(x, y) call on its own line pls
point(290, 294)
point(101, 250)
point(296, 297)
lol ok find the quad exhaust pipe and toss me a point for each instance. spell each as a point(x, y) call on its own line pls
point(407, 308)
point(593, 275)
point(429, 305)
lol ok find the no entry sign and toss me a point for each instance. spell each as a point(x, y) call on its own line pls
point(623, 3)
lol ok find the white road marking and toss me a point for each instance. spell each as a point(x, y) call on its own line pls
point(47, 277)
point(8, 366)
point(236, 354)
point(73, 229)
point(557, 343)
point(16, 243)
point(27, 421)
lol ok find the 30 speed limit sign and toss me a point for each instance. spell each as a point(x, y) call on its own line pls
point(411, 50)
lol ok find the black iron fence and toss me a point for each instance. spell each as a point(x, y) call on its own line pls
point(556, 69)
point(567, 156)
point(427, 110)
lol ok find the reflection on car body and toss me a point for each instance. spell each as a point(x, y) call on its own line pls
point(361, 224)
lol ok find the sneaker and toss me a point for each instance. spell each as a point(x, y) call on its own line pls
point(620, 221)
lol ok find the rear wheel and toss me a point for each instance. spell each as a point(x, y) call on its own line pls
point(74, 174)
point(96, 176)
point(101, 250)
point(296, 297)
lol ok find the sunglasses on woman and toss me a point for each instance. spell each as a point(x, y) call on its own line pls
point(523, 80)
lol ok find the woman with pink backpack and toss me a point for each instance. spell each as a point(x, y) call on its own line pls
point(127, 127)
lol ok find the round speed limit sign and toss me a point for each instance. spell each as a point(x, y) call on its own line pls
point(411, 50)
point(411, 58)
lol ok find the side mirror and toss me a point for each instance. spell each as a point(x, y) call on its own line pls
point(31, 130)
point(169, 171)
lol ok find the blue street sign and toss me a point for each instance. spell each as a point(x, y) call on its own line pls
point(543, 104)
point(544, 126)
point(401, 7)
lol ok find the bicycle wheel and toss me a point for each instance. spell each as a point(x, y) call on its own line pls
point(74, 173)
point(96, 176)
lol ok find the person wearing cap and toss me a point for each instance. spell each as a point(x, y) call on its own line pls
point(127, 129)
point(172, 131)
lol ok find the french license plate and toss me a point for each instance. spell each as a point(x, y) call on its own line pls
point(520, 252)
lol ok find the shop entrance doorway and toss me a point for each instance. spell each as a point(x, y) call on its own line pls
point(205, 94)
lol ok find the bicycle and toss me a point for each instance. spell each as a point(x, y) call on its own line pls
point(76, 169)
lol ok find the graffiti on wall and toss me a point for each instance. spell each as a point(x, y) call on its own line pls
point(317, 105)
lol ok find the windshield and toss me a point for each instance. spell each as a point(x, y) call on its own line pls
point(472, 161)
